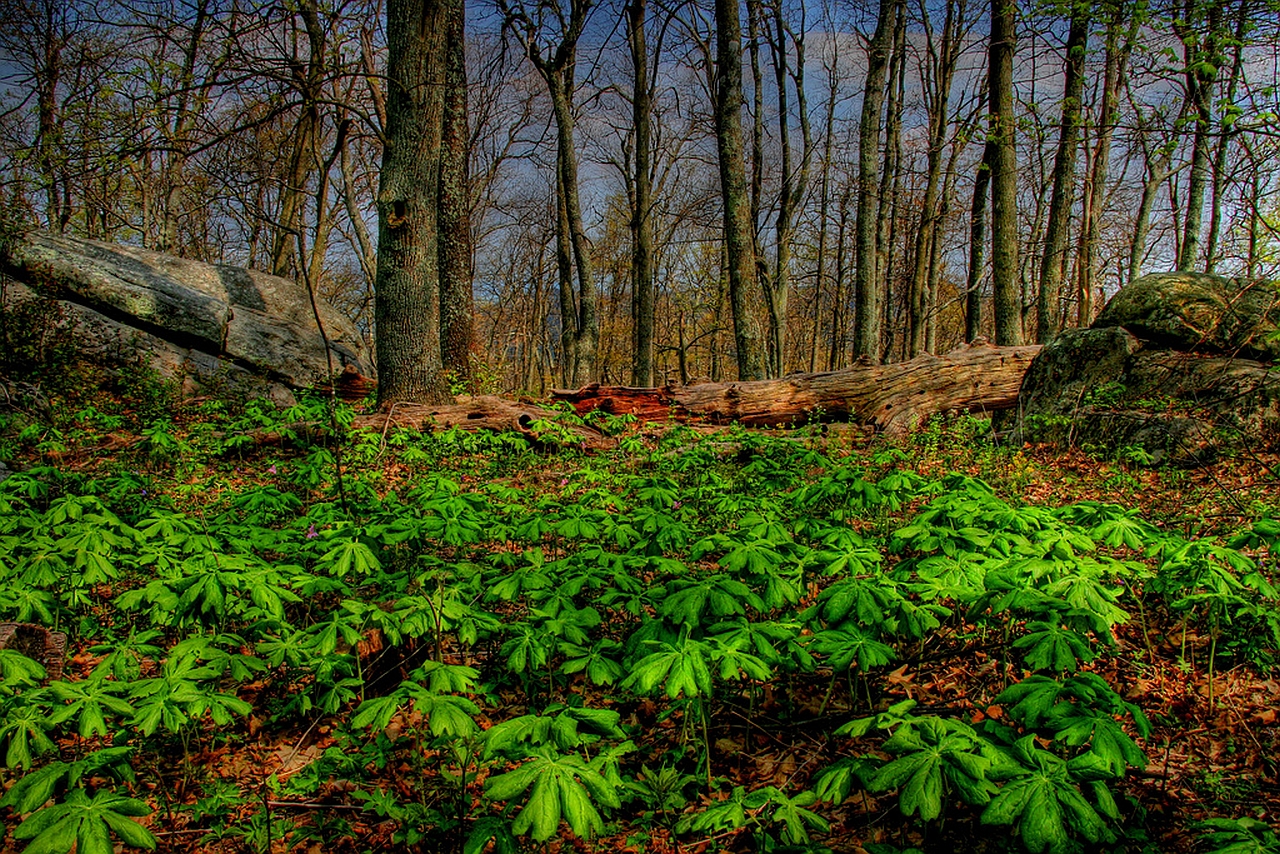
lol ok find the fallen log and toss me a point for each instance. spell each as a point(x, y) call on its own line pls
point(536, 424)
point(487, 412)
point(891, 399)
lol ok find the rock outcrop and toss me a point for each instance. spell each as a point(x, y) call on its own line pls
point(1177, 366)
point(209, 324)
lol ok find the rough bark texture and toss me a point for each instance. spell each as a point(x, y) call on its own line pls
point(407, 290)
point(890, 398)
point(457, 338)
point(740, 252)
point(1004, 176)
point(1200, 52)
point(867, 307)
point(1053, 266)
point(643, 292)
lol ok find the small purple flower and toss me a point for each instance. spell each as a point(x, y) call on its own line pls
point(564, 481)
point(272, 469)
point(311, 532)
point(677, 505)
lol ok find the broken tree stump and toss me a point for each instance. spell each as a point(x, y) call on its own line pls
point(893, 399)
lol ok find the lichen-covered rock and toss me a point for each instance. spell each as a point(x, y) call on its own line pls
point(1176, 368)
point(207, 323)
point(1199, 313)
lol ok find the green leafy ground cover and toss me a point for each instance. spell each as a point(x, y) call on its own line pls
point(699, 642)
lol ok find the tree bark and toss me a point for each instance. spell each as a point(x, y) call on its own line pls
point(1053, 266)
point(642, 276)
point(1004, 175)
point(740, 252)
point(407, 291)
point(1115, 62)
point(868, 309)
point(1200, 53)
point(889, 398)
point(558, 69)
point(302, 159)
point(977, 245)
point(794, 185)
point(937, 76)
point(457, 308)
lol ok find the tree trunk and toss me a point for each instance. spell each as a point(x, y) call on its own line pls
point(1004, 175)
point(586, 341)
point(1200, 53)
point(407, 301)
point(792, 189)
point(938, 76)
point(1053, 265)
point(740, 252)
point(642, 275)
point(1227, 133)
point(457, 336)
point(1116, 59)
point(890, 398)
point(891, 183)
point(868, 309)
point(302, 158)
point(977, 245)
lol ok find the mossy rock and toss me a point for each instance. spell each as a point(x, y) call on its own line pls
point(1199, 313)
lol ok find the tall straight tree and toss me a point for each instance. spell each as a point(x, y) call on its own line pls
point(407, 289)
point(1004, 174)
point(556, 61)
point(868, 307)
point(457, 310)
point(1117, 46)
point(642, 277)
point(739, 238)
point(938, 68)
point(1198, 25)
point(794, 181)
point(1053, 266)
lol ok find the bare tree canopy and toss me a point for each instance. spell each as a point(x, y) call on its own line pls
point(649, 192)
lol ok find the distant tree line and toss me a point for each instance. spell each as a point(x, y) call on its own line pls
point(552, 192)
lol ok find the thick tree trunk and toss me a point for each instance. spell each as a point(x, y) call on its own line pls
point(890, 398)
point(887, 220)
point(740, 252)
point(407, 293)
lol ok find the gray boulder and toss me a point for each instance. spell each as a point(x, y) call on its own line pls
point(209, 324)
point(1199, 313)
point(1177, 366)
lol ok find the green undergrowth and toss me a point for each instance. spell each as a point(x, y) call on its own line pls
point(466, 643)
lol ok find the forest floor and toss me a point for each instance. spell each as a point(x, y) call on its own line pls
point(736, 640)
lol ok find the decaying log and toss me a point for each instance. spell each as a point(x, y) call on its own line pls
point(891, 398)
point(470, 413)
point(484, 413)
